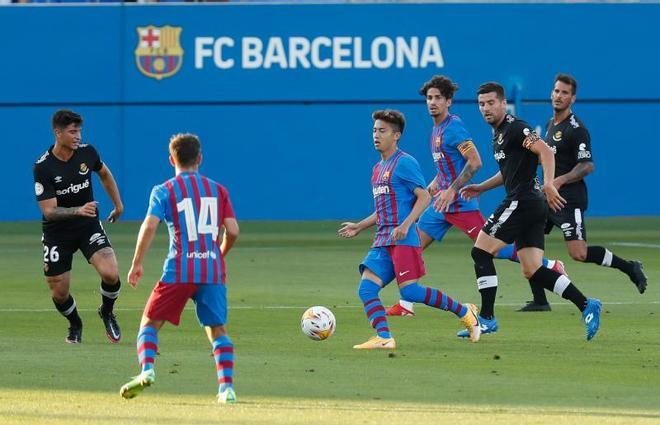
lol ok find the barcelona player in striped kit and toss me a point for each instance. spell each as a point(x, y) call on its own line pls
point(195, 209)
point(399, 197)
point(456, 159)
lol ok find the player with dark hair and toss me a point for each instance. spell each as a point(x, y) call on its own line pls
point(400, 197)
point(569, 139)
point(63, 186)
point(195, 209)
point(521, 216)
point(456, 159)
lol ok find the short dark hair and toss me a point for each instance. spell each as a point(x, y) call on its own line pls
point(64, 117)
point(185, 148)
point(567, 79)
point(391, 116)
point(446, 86)
point(492, 86)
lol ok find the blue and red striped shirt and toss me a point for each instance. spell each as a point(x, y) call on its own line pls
point(194, 208)
point(448, 160)
point(393, 183)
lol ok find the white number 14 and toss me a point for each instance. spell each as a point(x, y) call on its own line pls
point(208, 211)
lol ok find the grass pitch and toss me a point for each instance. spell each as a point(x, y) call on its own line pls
point(537, 369)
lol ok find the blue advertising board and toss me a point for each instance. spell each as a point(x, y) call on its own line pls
point(282, 95)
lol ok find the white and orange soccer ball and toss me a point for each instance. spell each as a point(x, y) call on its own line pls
point(318, 323)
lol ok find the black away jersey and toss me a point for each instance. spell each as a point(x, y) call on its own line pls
point(571, 143)
point(69, 182)
point(517, 163)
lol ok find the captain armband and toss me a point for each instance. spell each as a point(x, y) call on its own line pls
point(531, 138)
point(465, 147)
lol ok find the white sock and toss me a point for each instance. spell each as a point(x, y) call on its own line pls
point(406, 304)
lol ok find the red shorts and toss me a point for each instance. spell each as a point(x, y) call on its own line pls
point(167, 301)
point(401, 262)
point(469, 222)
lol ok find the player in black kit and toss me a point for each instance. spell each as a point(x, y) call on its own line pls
point(521, 217)
point(63, 185)
point(569, 139)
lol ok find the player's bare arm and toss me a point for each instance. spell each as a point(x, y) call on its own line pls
point(349, 229)
point(144, 239)
point(110, 186)
point(52, 212)
point(473, 190)
point(580, 171)
point(432, 187)
point(231, 234)
point(473, 164)
point(547, 158)
point(423, 200)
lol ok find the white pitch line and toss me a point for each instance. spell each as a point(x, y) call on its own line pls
point(636, 244)
point(297, 307)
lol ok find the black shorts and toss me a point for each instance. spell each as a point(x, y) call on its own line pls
point(571, 222)
point(59, 247)
point(521, 222)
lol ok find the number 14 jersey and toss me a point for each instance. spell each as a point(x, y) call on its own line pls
point(194, 208)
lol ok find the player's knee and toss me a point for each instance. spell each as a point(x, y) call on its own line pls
point(109, 274)
point(58, 288)
point(368, 290)
point(528, 272)
point(412, 293)
point(578, 254)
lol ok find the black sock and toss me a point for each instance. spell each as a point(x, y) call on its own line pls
point(69, 310)
point(605, 257)
point(488, 302)
point(538, 292)
point(109, 294)
point(560, 285)
point(484, 268)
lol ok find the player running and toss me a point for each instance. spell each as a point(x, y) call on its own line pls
point(521, 216)
point(63, 185)
point(399, 199)
point(569, 139)
point(456, 159)
point(195, 209)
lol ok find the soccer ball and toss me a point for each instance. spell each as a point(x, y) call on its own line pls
point(318, 323)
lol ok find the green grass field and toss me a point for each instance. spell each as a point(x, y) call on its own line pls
point(537, 369)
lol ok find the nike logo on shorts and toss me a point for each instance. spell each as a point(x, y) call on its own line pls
point(404, 273)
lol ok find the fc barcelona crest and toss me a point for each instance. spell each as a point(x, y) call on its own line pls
point(386, 176)
point(438, 142)
point(158, 53)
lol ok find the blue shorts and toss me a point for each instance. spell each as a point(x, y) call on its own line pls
point(405, 263)
point(433, 223)
point(211, 304)
point(168, 300)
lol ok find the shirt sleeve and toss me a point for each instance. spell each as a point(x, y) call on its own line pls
point(410, 173)
point(97, 164)
point(226, 209)
point(157, 202)
point(456, 134)
point(524, 134)
point(582, 147)
point(43, 184)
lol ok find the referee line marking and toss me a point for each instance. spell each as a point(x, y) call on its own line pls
point(295, 307)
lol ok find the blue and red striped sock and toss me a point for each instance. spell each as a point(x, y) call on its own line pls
point(223, 353)
point(368, 292)
point(433, 298)
point(147, 347)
